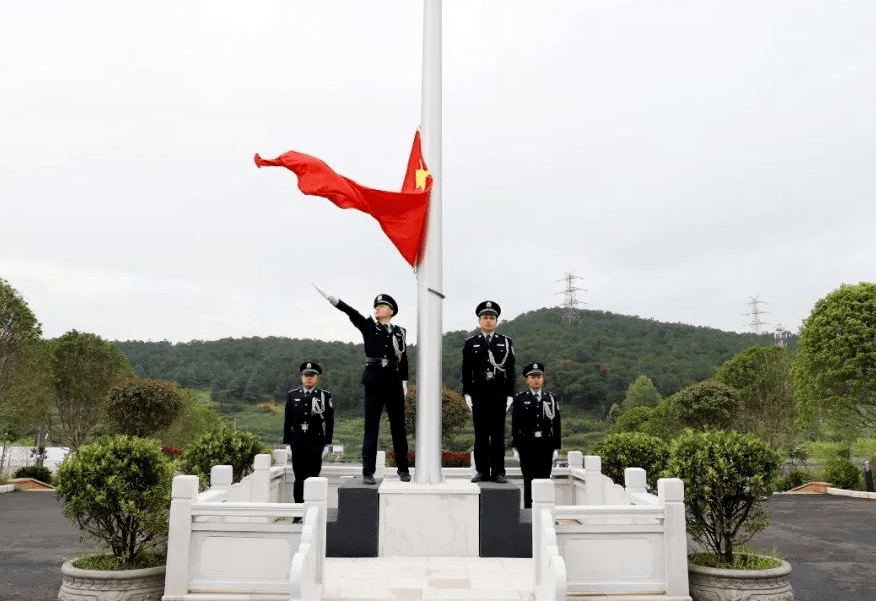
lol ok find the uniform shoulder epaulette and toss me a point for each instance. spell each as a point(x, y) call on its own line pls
point(473, 336)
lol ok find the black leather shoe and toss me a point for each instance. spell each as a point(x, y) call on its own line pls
point(404, 477)
point(500, 479)
point(479, 477)
point(368, 480)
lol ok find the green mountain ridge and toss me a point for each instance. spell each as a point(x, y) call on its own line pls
point(590, 362)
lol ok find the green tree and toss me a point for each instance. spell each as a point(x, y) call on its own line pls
point(762, 375)
point(641, 392)
point(195, 418)
point(454, 412)
point(835, 372)
point(85, 367)
point(705, 405)
point(142, 407)
point(25, 385)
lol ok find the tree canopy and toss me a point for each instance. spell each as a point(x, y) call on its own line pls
point(835, 372)
point(85, 367)
point(25, 387)
point(762, 375)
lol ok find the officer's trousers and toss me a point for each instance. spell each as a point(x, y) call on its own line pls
point(488, 417)
point(536, 461)
point(306, 463)
point(382, 393)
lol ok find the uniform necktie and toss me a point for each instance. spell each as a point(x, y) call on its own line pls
point(489, 338)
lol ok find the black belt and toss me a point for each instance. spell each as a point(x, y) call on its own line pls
point(382, 361)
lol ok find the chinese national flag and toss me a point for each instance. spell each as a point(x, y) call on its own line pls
point(401, 215)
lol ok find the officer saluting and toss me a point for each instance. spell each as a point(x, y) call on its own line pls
point(488, 387)
point(308, 426)
point(385, 378)
point(535, 429)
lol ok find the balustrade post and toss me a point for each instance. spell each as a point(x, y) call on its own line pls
point(670, 492)
point(594, 483)
point(184, 491)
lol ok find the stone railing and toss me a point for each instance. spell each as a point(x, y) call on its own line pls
point(618, 541)
point(236, 541)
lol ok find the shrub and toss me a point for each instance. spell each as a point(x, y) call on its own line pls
point(142, 407)
point(222, 446)
point(632, 449)
point(842, 473)
point(38, 472)
point(117, 489)
point(727, 478)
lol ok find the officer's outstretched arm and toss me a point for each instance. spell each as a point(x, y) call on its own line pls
point(326, 295)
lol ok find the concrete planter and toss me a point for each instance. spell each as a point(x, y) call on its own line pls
point(717, 584)
point(109, 585)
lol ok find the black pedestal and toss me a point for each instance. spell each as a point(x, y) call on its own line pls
point(354, 532)
point(506, 529)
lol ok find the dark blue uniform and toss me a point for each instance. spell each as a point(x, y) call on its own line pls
point(535, 433)
point(386, 366)
point(308, 427)
point(488, 377)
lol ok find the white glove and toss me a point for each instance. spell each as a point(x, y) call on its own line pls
point(516, 455)
point(405, 387)
point(508, 403)
point(325, 450)
point(325, 294)
point(468, 401)
point(556, 454)
point(288, 453)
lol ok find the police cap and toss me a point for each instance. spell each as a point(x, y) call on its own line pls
point(385, 299)
point(533, 368)
point(488, 307)
point(309, 367)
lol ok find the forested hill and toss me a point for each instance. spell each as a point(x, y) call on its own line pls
point(590, 363)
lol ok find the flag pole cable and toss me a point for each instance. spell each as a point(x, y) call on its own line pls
point(429, 273)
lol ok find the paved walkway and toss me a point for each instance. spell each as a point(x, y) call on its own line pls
point(830, 542)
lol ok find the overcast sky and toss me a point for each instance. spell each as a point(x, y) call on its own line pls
point(679, 157)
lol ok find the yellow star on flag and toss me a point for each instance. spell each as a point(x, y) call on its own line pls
point(421, 175)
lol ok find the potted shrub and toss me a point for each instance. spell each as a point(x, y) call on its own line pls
point(728, 477)
point(117, 490)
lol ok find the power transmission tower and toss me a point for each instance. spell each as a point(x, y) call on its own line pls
point(754, 312)
point(571, 302)
point(781, 335)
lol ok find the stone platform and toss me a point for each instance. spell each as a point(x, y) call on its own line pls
point(428, 578)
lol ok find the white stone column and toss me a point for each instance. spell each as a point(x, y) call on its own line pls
point(184, 491)
point(670, 491)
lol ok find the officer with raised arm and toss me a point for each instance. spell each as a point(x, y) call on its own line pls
point(488, 388)
point(385, 378)
point(535, 429)
point(308, 426)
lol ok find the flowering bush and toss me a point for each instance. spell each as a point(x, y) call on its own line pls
point(448, 459)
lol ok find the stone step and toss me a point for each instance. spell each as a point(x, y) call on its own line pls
point(428, 578)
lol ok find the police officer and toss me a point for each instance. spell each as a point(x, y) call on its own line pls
point(385, 379)
point(488, 388)
point(535, 429)
point(308, 426)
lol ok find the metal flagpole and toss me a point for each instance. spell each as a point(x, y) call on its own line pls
point(429, 273)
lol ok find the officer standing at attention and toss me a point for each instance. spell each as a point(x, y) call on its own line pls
point(385, 378)
point(535, 429)
point(308, 426)
point(488, 387)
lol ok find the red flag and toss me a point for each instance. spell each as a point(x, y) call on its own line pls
point(401, 215)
